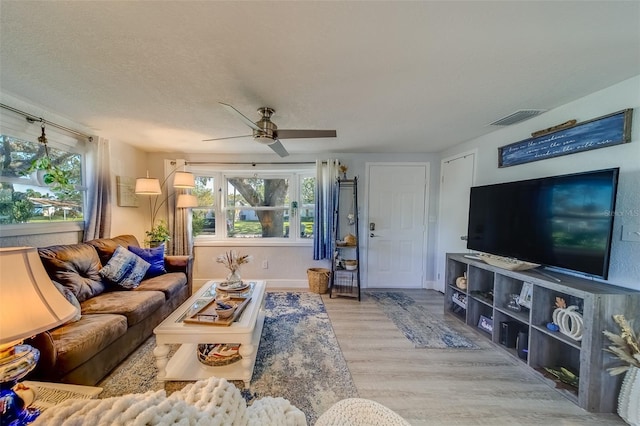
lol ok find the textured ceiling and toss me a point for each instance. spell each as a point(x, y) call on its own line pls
point(388, 76)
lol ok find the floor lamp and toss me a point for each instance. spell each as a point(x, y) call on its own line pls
point(29, 304)
point(152, 186)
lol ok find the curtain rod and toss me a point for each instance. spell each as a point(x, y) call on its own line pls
point(249, 163)
point(32, 119)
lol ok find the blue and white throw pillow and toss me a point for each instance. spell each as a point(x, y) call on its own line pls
point(125, 268)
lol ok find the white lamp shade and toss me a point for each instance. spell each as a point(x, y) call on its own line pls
point(148, 186)
point(186, 201)
point(29, 302)
point(184, 180)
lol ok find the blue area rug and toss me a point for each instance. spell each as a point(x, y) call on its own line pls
point(299, 358)
point(421, 328)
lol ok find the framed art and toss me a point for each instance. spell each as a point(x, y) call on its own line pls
point(601, 132)
point(126, 187)
point(526, 295)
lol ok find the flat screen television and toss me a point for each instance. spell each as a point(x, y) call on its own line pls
point(560, 221)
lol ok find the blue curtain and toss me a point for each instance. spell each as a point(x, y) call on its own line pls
point(326, 175)
point(98, 218)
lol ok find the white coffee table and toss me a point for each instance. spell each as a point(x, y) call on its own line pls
point(184, 365)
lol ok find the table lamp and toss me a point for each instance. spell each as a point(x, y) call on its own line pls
point(29, 304)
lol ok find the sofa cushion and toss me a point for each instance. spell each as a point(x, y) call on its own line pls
point(134, 305)
point(125, 268)
point(170, 284)
point(155, 257)
point(106, 246)
point(79, 341)
point(76, 267)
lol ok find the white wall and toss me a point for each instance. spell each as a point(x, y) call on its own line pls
point(625, 256)
point(128, 161)
point(288, 265)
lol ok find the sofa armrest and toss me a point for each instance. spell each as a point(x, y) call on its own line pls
point(176, 263)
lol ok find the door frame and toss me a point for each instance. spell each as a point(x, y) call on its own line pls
point(365, 223)
point(448, 159)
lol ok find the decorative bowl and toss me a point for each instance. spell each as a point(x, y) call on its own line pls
point(350, 264)
point(224, 309)
point(218, 354)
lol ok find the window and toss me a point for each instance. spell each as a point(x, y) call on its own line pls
point(24, 198)
point(278, 205)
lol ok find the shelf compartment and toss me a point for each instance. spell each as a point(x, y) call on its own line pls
point(557, 335)
point(554, 353)
point(479, 279)
point(475, 310)
point(542, 314)
point(506, 335)
point(522, 316)
point(454, 271)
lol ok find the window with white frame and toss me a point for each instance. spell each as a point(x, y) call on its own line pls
point(256, 204)
point(26, 197)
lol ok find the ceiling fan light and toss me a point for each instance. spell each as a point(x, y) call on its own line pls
point(264, 139)
point(148, 186)
point(184, 180)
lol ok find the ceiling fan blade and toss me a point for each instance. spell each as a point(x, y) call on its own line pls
point(298, 134)
point(278, 148)
point(241, 116)
point(228, 137)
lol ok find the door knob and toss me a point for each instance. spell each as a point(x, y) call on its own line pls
point(373, 235)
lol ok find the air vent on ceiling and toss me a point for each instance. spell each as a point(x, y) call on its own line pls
point(518, 116)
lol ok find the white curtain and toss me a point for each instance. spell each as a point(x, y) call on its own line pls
point(179, 219)
point(98, 216)
point(326, 175)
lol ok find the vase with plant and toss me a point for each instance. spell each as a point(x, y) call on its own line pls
point(626, 347)
point(232, 261)
point(158, 234)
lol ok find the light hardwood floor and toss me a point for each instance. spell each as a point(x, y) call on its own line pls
point(445, 386)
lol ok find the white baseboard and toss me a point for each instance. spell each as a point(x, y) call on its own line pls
point(272, 284)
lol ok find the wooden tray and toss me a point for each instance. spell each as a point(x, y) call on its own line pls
point(207, 314)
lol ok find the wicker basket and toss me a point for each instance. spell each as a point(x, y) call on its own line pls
point(318, 279)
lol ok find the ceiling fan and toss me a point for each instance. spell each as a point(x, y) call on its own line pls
point(266, 132)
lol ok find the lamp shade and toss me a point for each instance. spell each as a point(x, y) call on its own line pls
point(184, 180)
point(148, 186)
point(29, 302)
point(186, 201)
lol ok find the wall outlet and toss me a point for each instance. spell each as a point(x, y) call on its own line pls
point(265, 264)
point(631, 234)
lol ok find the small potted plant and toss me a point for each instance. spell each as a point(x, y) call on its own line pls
point(158, 234)
point(49, 174)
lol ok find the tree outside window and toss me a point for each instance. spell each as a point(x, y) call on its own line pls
point(259, 206)
point(24, 198)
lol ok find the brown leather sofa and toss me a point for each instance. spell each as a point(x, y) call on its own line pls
point(114, 321)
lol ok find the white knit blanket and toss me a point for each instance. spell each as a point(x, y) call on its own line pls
point(207, 402)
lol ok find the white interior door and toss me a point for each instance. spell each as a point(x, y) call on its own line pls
point(456, 179)
point(397, 200)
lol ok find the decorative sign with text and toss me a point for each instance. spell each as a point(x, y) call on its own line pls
point(608, 130)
